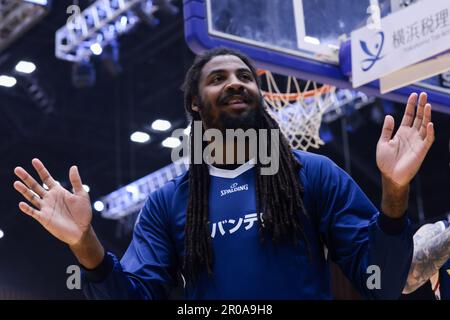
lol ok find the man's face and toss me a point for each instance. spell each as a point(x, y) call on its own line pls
point(229, 97)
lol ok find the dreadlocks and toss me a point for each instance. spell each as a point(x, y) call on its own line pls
point(279, 196)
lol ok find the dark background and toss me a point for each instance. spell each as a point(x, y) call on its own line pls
point(90, 127)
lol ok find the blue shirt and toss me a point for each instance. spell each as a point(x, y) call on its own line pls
point(342, 218)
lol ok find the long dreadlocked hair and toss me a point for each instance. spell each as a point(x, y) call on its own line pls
point(279, 196)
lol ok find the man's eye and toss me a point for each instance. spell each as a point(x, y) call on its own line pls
point(217, 79)
point(246, 76)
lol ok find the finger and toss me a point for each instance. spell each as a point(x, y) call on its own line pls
point(43, 173)
point(388, 129)
point(408, 117)
point(75, 180)
point(28, 194)
point(32, 212)
point(426, 121)
point(429, 139)
point(29, 181)
point(420, 107)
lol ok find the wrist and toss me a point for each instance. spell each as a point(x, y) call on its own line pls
point(390, 186)
point(84, 240)
point(394, 198)
point(89, 251)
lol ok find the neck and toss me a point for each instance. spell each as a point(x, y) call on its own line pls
point(229, 152)
point(224, 147)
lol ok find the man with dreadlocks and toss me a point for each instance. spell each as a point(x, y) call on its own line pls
point(236, 233)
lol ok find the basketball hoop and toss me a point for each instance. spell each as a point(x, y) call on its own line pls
point(298, 112)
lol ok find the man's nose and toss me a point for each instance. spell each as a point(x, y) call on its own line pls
point(234, 84)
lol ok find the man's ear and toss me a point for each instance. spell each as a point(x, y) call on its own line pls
point(194, 104)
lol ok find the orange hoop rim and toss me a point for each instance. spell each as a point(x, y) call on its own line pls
point(326, 88)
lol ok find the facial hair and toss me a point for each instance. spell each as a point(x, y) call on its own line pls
point(249, 119)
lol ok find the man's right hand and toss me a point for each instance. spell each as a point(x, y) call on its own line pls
point(64, 214)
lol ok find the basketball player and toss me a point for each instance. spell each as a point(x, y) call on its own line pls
point(431, 260)
point(262, 238)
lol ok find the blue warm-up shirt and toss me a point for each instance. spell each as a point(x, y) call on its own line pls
point(341, 218)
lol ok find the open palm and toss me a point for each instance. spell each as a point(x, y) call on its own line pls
point(400, 158)
point(64, 214)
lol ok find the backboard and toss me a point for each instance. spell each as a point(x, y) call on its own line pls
point(301, 38)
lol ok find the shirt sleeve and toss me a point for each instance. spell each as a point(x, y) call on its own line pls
point(147, 269)
point(373, 250)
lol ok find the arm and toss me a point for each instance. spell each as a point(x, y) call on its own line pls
point(358, 236)
point(88, 251)
point(148, 268)
point(431, 251)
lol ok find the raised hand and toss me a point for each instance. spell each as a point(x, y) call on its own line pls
point(64, 214)
point(399, 158)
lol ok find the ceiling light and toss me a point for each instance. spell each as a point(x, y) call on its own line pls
point(99, 206)
point(161, 125)
point(171, 142)
point(7, 81)
point(25, 67)
point(140, 137)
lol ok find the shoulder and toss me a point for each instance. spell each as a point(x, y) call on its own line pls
point(160, 201)
point(313, 161)
point(317, 167)
point(326, 181)
point(172, 187)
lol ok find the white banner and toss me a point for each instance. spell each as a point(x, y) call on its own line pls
point(405, 37)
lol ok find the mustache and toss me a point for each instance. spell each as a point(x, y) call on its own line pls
point(241, 94)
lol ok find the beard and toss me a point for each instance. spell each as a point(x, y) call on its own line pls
point(250, 118)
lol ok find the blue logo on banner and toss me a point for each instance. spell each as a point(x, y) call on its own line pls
point(368, 63)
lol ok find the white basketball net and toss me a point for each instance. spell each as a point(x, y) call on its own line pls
point(299, 112)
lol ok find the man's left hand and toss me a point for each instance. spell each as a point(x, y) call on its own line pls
point(399, 158)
